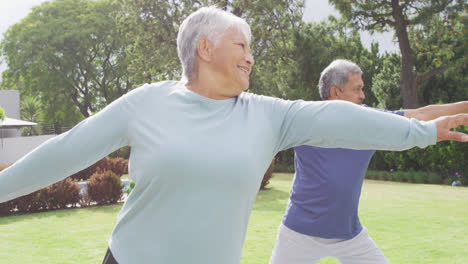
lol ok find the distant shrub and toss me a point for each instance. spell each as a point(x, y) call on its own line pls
point(284, 161)
point(62, 194)
point(385, 176)
point(25, 204)
point(6, 207)
point(118, 165)
point(381, 175)
point(420, 177)
point(464, 181)
point(104, 187)
point(282, 167)
point(449, 180)
point(445, 157)
point(408, 176)
point(29, 203)
point(398, 176)
point(121, 153)
point(373, 174)
point(86, 173)
point(434, 178)
point(411, 176)
point(55, 196)
point(369, 174)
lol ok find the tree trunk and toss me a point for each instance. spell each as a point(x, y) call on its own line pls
point(409, 88)
point(408, 83)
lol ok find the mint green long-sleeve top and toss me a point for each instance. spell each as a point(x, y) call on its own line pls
point(198, 163)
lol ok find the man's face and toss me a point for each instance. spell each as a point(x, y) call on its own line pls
point(234, 61)
point(352, 90)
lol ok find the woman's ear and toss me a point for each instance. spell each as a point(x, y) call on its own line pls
point(205, 49)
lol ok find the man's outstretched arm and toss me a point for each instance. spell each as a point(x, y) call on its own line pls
point(431, 112)
point(445, 123)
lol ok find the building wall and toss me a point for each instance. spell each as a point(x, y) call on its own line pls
point(12, 149)
point(10, 102)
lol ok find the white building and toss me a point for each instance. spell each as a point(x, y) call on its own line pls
point(12, 145)
point(10, 102)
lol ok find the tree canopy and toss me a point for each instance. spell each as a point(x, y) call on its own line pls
point(70, 53)
point(402, 17)
point(152, 27)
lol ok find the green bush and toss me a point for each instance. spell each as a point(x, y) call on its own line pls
point(449, 180)
point(382, 175)
point(398, 176)
point(282, 167)
point(370, 174)
point(2, 113)
point(388, 176)
point(284, 161)
point(434, 178)
point(445, 158)
point(131, 186)
point(409, 176)
point(420, 177)
point(464, 181)
point(121, 153)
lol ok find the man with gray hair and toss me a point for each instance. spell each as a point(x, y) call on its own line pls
point(321, 218)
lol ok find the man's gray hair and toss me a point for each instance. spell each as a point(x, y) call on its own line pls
point(336, 74)
point(210, 22)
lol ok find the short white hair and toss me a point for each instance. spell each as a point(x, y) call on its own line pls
point(210, 22)
point(336, 74)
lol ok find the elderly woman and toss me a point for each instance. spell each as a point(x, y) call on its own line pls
point(201, 146)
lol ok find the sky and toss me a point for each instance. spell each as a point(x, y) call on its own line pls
point(12, 11)
point(319, 10)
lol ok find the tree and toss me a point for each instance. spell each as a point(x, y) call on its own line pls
point(436, 45)
point(385, 83)
point(70, 54)
point(31, 111)
point(313, 47)
point(152, 26)
point(400, 16)
point(2, 114)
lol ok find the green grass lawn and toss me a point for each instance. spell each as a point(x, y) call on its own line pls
point(411, 224)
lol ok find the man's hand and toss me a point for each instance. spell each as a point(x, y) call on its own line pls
point(445, 123)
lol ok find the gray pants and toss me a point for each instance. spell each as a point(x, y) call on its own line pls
point(295, 248)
